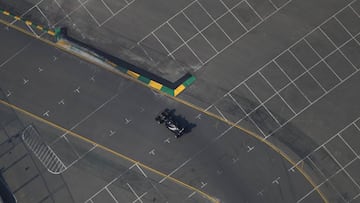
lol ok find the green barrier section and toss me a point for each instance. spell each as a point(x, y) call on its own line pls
point(144, 79)
point(121, 69)
point(53, 33)
point(167, 90)
point(189, 81)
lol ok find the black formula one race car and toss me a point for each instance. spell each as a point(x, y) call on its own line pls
point(170, 123)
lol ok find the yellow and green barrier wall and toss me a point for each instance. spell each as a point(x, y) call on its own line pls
point(57, 36)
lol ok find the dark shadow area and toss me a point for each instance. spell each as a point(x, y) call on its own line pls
point(122, 63)
point(182, 121)
point(5, 192)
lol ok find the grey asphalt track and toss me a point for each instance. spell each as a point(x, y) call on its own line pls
point(119, 114)
point(284, 69)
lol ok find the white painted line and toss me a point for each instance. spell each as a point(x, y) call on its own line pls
point(14, 55)
point(277, 92)
point(221, 114)
point(357, 196)
point(191, 50)
point(256, 13)
point(77, 90)
point(200, 32)
point(43, 14)
point(348, 145)
point(163, 45)
point(292, 81)
point(112, 13)
point(174, 171)
point(327, 141)
point(85, 118)
point(25, 81)
point(214, 21)
point(139, 199)
point(91, 15)
point(152, 152)
point(61, 102)
point(137, 165)
point(192, 194)
point(272, 3)
point(250, 148)
point(27, 11)
point(276, 181)
point(354, 9)
point(230, 11)
point(343, 168)
point(342, 53)
point(303, 66)
point(8, 94)
point(248, 30)
point(47, 113)
point(191, 3)
point(323, 175)
point(133, 191)
point(111, 194)
point(303, 38)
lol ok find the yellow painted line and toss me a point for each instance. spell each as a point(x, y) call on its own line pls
point(133, 74)
point(18, 109)
point(6, 13)
point(51, 33)
point(28, 22)
point(39, 27)
point(155, 85)
point(261, 139)
point(179, 89)
point(276, 149)
point(17, 18)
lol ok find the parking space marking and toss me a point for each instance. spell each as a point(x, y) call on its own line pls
point(302, 38)
point(107, 7)
point(327, 141)
point(261, 103)
point(141, 196)
point(252, 8)
point(272, 3)
point(247, 30)
point(358, 14)
point(141, 170)
point(87, 10)
point(323, 59)
point(230, 11)
point(162, 44)
point(221, 114)
point(43, 14)
point(167, 21)
point(184, 43)
point(111, 194)
point(27, 11)
point(133, 191)
point(306, 70)
point(348, 145)
point(276, 93)
point(323, 175)
point(325, 181)
point(117, 12)
point(342, 167)
point(199, 32)
point(292, 81)
point(214, 21)
point(342, 53)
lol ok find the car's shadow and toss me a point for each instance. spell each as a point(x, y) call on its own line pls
point(182, 121)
